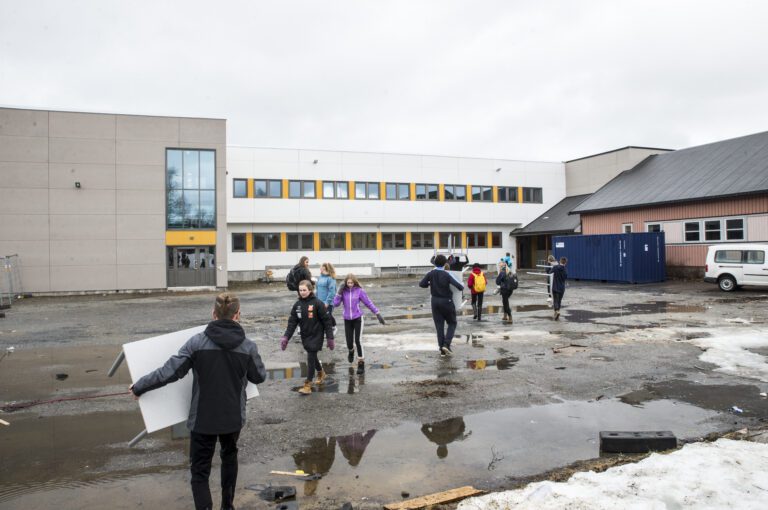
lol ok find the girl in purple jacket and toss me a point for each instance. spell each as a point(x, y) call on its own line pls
point(351, 294)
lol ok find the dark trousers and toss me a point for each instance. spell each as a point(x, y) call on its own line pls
point(443, 311)
point(201, 448)
point(313, 363)
point(477, 304)
point(505, 304)
point(557, 298)
point(352, 330)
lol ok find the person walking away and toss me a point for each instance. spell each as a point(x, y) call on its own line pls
point(222, 361)
point(298, 273)
point(443, 310)
point(311, 314)
point(350, 295)
point(326, 289)
point(476, 283)
point(559, 275)
point(507, 283)
point(551, 261)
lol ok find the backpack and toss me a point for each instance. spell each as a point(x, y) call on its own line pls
point(479, 283)
point(513, 281)
point(290, 280)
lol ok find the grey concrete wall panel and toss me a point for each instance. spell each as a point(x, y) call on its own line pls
point(140, 251)
point(82, 201)
point(135, 127)
point(31, 253)
point(75, 150)
point(83, 278)
point(83, 252)
point(141, 276)
point(90, 176)
point(23, 175)
point(206, 131)
point(23, 227)
point(78, 227)
point(23, 148)
point(141, 226)
point(36, 279)
point(23, 122)
point(82, 125)
point(141, 201)
point(23, 201)
point(149, 177)
point(131, 152)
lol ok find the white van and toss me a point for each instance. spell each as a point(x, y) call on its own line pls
point(733, 265)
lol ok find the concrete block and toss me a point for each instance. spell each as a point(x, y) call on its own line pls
point(23, 175)
point(83, 278)
point(133, 152)
point(146, 177)
point(15, 122)
point(23, 227)
point(82, 150)
point(89, 175)
point(82, 201)
point(140, 251)
point(76, 227)
point(140, 201)
point(94, 126)
point(636, 442)
point(141, 276)
point(206, 131)
point(141, 226)
point(23, 148)
point(23, 201)
point(137, 127)
point(83, 252)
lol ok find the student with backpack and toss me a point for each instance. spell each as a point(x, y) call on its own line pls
point(315, 321)
point(476, 284)
point(350, 295)
point(507, 282)
point(297, 274)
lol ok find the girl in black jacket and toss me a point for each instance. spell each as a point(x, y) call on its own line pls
point(311, 314)
point(507, 282)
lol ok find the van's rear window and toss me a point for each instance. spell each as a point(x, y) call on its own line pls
point(755, 257)
point(728, 256)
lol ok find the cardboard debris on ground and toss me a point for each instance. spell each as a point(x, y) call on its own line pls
point(448, 496)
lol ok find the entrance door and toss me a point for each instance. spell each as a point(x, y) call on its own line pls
point(192, 266)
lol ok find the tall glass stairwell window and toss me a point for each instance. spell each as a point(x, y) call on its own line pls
point(190, 189)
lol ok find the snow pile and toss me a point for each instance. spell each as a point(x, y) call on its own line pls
point(728, 350)
point(723, 474)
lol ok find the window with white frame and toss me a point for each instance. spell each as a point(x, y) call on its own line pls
point(653, 227)
point(712, 230)
point(692, 231)
point(626, 228)
point(734, 229)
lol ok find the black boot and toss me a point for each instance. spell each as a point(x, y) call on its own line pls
point(360, 367)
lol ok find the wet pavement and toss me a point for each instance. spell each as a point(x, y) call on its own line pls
point(515, 399)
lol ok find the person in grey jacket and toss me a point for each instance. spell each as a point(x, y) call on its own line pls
point(222, 361)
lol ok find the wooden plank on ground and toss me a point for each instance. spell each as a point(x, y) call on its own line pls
point(448, 496)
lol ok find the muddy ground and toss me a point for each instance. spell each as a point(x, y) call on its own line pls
point(514, 400)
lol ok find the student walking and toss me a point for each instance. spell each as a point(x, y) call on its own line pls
point(443, 310)
point(507, 283)
point(476, 283)
point(222, 361)
point(559, 275)
point(326, 289)
point(298, 273)
point(351, 294)
point(311, 314)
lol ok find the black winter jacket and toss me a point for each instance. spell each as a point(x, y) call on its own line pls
point(505, 281)
point(439, 283)
point(301, 273)
point(312, 315)
point(559, 275)
point(222, 360)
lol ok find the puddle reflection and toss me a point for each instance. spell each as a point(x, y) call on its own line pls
point(501, 363)
point(445, 432)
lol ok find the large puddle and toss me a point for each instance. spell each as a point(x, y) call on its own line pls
point(82, 462)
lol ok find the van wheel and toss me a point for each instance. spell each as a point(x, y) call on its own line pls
point(727, 283)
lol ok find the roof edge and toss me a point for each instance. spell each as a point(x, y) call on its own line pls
point(620, 149)
point(668, 202)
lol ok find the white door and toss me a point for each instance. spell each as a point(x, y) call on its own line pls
point(730, 262)
point(755, 268)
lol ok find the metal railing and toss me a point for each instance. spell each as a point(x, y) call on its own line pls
point(10, 280)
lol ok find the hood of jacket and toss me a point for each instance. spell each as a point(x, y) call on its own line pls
point(477, 270)
point(225, 333)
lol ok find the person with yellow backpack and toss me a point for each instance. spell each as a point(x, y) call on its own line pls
point(476, 284)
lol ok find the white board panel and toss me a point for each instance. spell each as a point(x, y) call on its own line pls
point(168, 405)
point(458, 299)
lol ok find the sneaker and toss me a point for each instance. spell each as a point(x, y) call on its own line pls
point(351, 356)
point(360, 367)
point(447, 351)
point(557, 315)
point(306, 389)
point(496, 291)
point(335, 329)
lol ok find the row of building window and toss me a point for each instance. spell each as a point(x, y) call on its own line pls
point(273, 188)
point(697, 231)
point(363, 241)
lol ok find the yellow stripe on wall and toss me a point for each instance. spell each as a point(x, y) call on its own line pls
point(382, 191)
point(319, 190)
point(283, 241)
point(407, 240)
point(463, 240)
point(437, 240)
point(316, 240)
point(469, 192)
point(488, 243)
point(351, 190)
point(348, 243)
point(248, 241)
point(378, 241)
point(285, 188)
point(495, 194)
point(190, 238)
point(413, 191)
point(519, 195)
point(441, 192)
point(250, 188)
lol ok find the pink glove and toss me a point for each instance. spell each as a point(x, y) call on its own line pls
point(283, 343)
point(331, 344)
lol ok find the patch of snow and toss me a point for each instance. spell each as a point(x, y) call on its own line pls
point(729, 350)
point(723, 474)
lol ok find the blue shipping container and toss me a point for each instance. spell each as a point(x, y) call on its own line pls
point(631, 258)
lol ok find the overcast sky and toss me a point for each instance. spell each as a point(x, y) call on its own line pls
point(531, 80)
